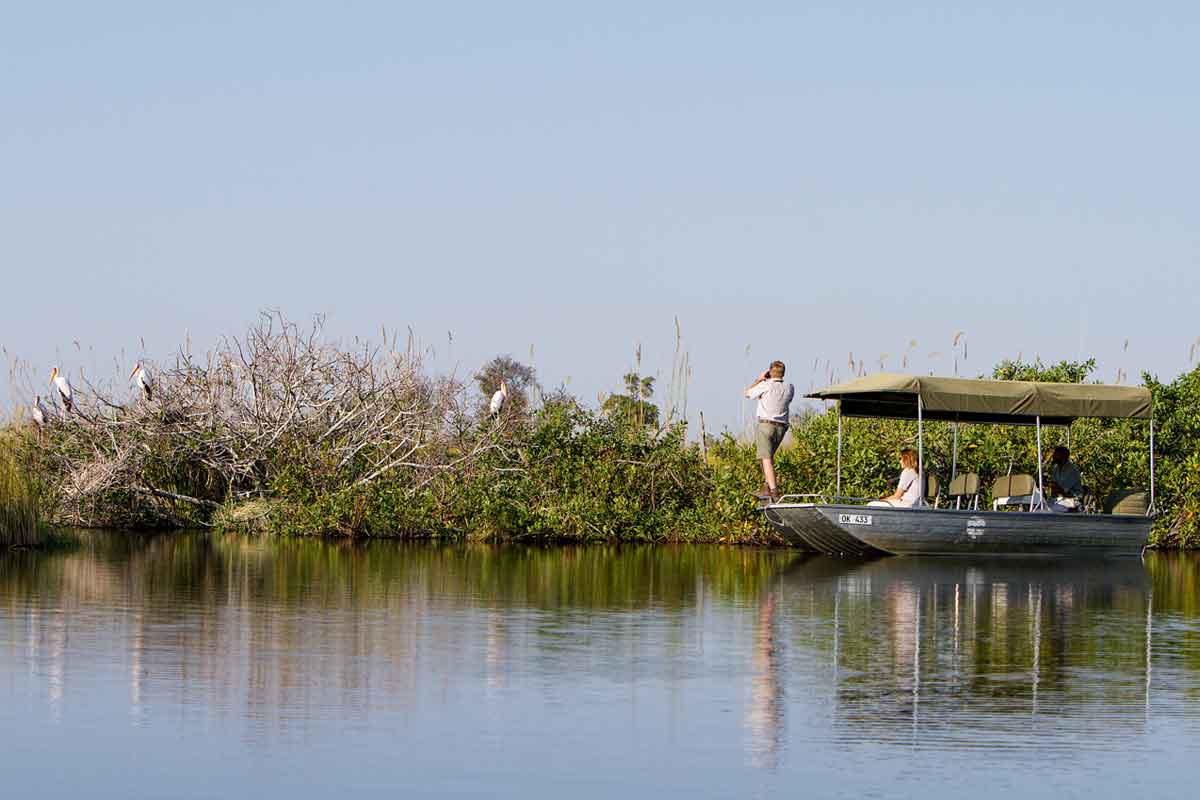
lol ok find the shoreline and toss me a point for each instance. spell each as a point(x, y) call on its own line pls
point(285, 433)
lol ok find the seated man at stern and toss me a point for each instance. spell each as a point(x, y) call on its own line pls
point(1066, 483)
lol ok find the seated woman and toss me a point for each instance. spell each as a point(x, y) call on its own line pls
point(909, 487)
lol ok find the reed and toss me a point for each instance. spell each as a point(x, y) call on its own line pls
point(20, 525)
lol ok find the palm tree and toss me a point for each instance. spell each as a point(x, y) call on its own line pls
point(634, 405)
point(640, 389)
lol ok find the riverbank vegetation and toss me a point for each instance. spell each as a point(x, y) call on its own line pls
point(284, 431)
point(20, 513)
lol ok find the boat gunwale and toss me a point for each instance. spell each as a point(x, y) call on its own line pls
point(1039, 514)
point(849, 538)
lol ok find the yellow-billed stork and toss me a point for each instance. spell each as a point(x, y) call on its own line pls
point(144, 381)
point(498, 399)
point(59, 381)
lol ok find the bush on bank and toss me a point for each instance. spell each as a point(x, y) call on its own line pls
point(567, 473)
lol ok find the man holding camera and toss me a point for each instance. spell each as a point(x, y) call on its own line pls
point(774, 401)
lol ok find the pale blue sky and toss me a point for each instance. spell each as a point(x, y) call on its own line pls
point(805, 180)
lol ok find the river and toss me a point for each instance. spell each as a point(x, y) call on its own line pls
point(201, 665)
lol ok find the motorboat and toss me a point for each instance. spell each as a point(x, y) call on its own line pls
point(1020, 519)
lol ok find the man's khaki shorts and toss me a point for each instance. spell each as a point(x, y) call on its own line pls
point(767, 438)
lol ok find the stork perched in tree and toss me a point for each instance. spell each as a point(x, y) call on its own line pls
point(60, 382)
point(498, 400)
point(40, 414)
point(144, 381)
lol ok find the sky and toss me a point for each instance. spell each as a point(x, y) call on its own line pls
point(788, 180)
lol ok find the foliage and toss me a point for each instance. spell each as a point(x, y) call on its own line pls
point(579, 475)
point(568, 473)
point(1062, 372)
point(1177, 461)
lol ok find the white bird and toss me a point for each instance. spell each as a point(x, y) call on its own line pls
point(498, 399)
point(60, 382)
point(144, 381)
point(39, 412)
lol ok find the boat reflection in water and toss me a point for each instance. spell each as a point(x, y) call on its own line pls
point(926, 650)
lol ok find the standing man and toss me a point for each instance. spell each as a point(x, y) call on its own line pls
point(774, 399)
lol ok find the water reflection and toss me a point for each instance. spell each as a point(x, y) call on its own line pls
point(929, 645)
point(765, 711)
point(283, 626)
point(769, 653)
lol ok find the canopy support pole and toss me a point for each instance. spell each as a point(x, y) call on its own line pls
point(1041, 490)
point(1068, 436)
point(954, 458)
point(839, 454)
point(921, 449)
point(1151, 510)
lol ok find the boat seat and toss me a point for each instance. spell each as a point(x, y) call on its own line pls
point(932, 487)
point(964, 489)
point(1127, 502)
point(1014, 490)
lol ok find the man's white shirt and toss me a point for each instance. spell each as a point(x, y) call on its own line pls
point(774, 399)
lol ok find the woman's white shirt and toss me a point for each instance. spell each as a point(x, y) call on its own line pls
point(910, 484)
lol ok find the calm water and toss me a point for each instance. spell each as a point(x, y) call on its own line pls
point(208, 666)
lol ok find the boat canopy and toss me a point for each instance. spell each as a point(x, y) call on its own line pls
point(968, 400)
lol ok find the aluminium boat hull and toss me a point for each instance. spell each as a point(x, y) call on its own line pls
point(854, 530)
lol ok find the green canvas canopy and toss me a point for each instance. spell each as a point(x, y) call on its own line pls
point(967, 400)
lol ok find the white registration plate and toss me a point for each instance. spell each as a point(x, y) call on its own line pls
point(854, 519)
